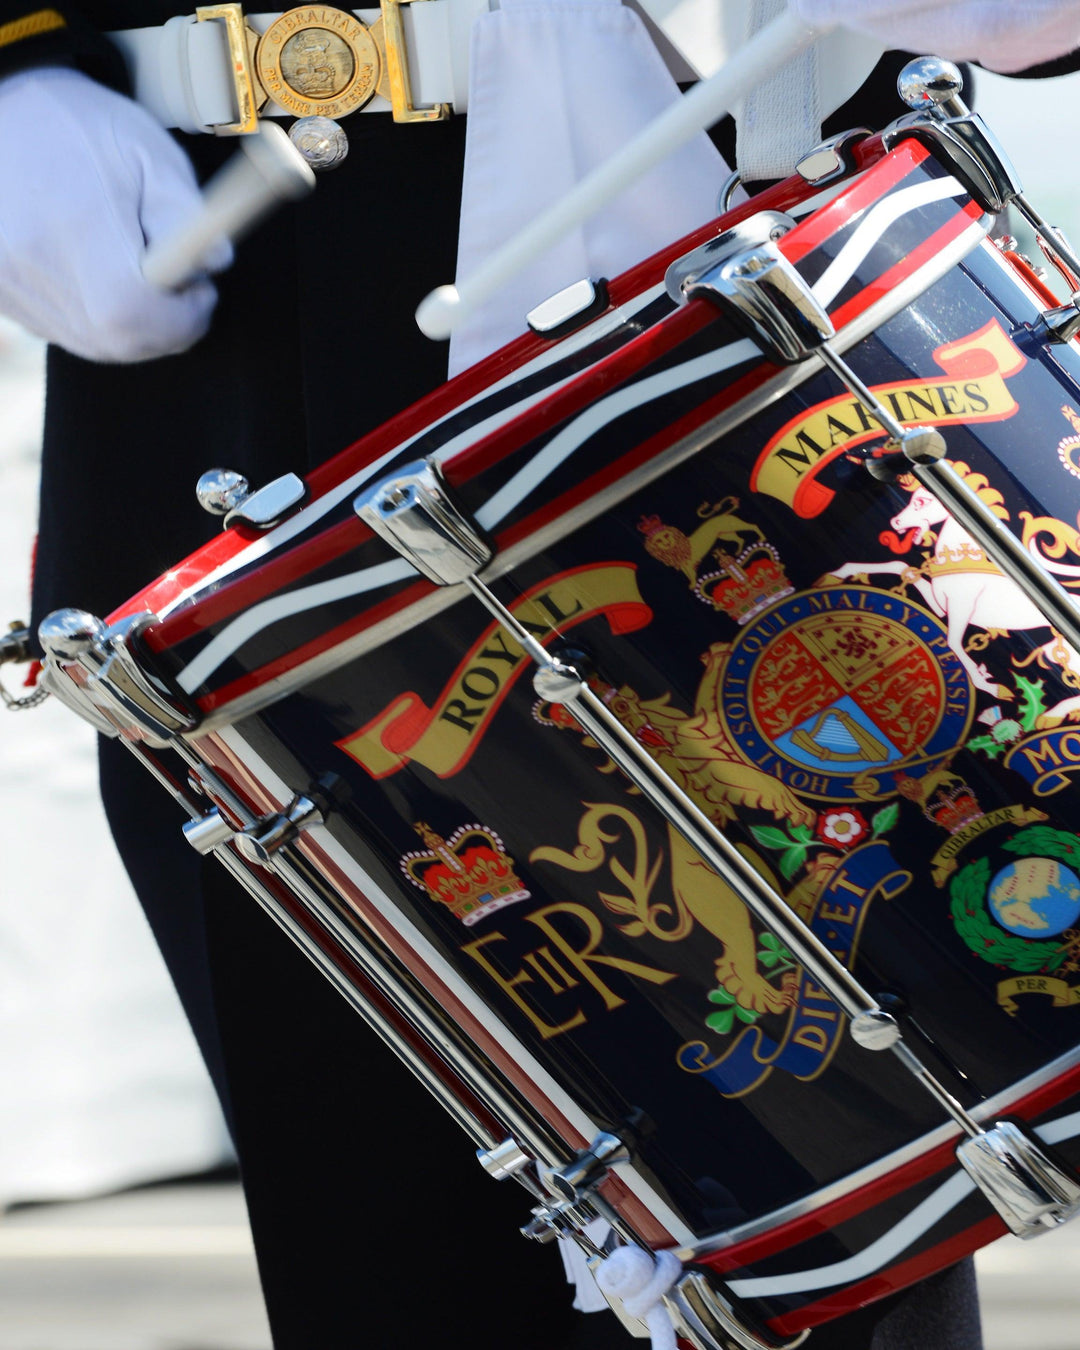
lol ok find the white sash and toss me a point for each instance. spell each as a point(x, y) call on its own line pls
point(782, 119)
point(555, 88)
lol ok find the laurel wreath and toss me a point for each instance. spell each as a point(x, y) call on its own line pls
point(972, 919)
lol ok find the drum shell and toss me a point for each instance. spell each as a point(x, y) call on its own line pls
point(839, 1145)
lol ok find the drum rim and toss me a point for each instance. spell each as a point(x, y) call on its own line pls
point(895, 1164)
point(438, 600)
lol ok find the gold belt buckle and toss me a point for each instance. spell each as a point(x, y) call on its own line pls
point(315, 61)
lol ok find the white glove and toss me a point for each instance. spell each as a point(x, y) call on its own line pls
point(89, 179)
point(1003, 35)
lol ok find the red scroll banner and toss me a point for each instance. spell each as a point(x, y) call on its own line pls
point(444, 736)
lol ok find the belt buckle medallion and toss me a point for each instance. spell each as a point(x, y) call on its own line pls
point(318, 62)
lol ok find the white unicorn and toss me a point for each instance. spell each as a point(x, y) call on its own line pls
point(962, 586)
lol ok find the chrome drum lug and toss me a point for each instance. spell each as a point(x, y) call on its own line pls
point(589, 1167)
point(1027, 1186)
point(415, 513)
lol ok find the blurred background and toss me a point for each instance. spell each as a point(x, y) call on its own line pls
point(104, 1105)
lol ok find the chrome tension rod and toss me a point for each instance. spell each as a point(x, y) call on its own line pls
point(413, 511)
point(766, 295)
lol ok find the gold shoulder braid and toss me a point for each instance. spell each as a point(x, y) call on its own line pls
point(31, 25)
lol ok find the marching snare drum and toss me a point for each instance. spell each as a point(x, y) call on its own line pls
point(766, 678)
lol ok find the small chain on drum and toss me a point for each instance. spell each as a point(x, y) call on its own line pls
point(13, 704)
point(14, 648)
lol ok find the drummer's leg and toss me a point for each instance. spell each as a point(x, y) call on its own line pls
point(165, 874)
point(941, 1313)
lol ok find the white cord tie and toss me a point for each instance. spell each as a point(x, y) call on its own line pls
point(631, 1275)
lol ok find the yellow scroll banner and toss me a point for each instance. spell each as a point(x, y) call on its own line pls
point(444, 736)
point(973, 390)
point(1063, 995)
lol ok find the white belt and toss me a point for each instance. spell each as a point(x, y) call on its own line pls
point(218, 70)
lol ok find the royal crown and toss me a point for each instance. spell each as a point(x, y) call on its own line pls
point(470, 873)
point(955, 808)
point(951, 805)
point(744, 586)
point(749, 576)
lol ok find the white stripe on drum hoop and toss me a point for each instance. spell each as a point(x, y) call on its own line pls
point(270, 611)
point(300, 523)
point(878, 219)
point(892, 1244)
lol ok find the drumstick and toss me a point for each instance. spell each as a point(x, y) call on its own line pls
point(267, 171)
point(440, 312)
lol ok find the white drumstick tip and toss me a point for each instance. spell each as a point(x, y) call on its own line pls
point(782, 38)
point(439, 312)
